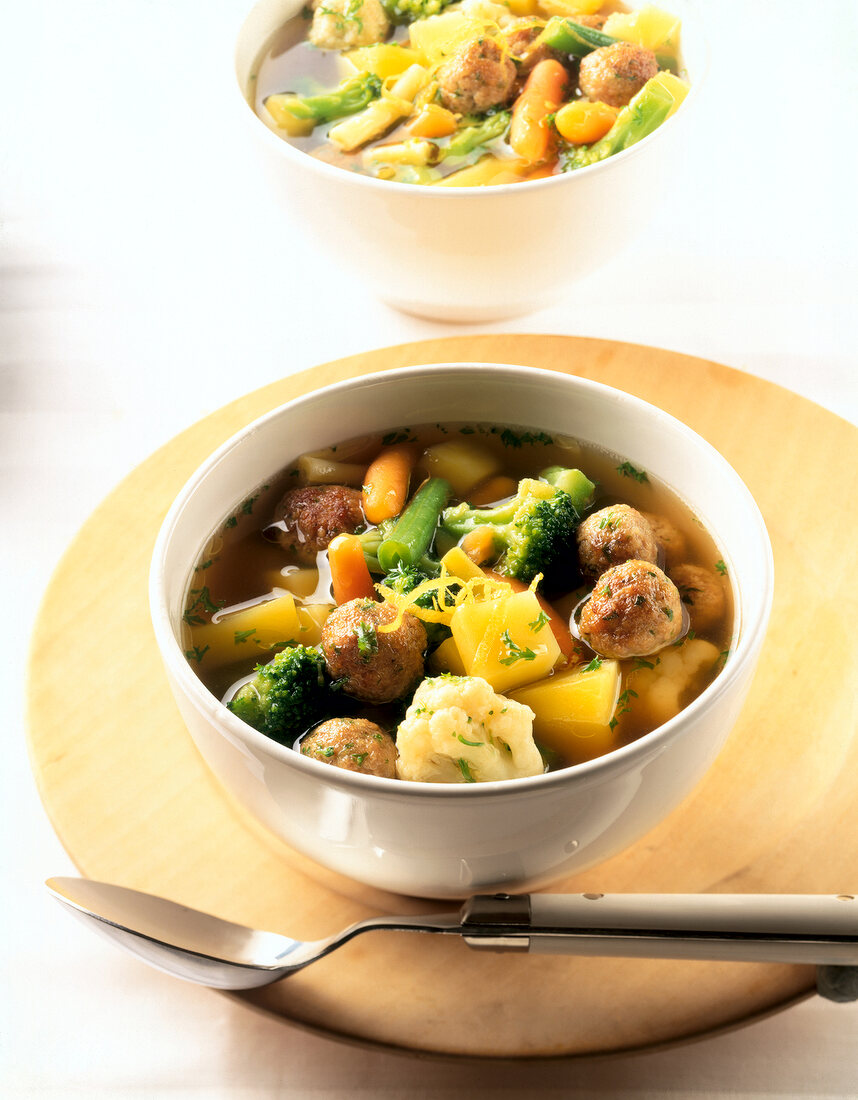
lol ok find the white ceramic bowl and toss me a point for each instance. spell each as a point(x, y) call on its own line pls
point(448, 841)
point(469, 254)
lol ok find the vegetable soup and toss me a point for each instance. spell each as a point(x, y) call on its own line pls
point(459, 603)
point(471, 93)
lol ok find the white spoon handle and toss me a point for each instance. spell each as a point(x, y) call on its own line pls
point(791, 928)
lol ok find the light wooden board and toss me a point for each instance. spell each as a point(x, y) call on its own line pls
point(133, 802)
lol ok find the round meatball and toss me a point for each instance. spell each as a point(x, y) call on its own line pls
point(594, 21)
point(355, 744)
point(634, 610)
point(613, 74)
point(345, 24)
point(614, 535)
point(702, 592)
point(376, 666)
point(479, 75)
point(307, 519)
point(670, 539)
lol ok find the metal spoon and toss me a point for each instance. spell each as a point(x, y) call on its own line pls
point(789, 928)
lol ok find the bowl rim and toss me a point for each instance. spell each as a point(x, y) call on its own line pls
point(740, 662)
point(466, 194)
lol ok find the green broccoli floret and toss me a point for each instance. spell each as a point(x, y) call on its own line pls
point(286, 696)
point(409, 11)
point(534, 531)
point(349, 97)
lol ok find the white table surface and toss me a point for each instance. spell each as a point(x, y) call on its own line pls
point(145, 281)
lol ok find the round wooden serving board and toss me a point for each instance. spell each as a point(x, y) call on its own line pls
point(134, 804)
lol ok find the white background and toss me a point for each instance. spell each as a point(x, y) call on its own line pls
point(145, 280)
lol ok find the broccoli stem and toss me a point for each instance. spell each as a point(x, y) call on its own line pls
point(412, 535)
point(468, 138)
point(347, 98)
point(572, 38)
point(644, 113)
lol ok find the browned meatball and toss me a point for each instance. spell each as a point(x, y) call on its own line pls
point(374, 665)
point(634, 610)
point(670, 539)
point(594, 21)
point(355, 744)
point(613, 535)
point(478, 76)
point(613, 74)
point(702, 592)
point(307, 519)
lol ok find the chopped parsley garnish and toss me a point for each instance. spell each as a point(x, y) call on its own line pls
point(242, 635)
point(467, 431)
point(623, 705)
point(402, 436)
point(367, 640)
point(640, 600)
point(669, 612)
point(231, 522)
point(627, 470)
point(642, 662)
point(202, 604)
point(196, 654)
point(594, 665)
point(247, 507)
point(465, 770)
point(327, 751)
point(509, 438)
point(514, 651)
point(359, 758)
point(721, 567)
point(539, 622)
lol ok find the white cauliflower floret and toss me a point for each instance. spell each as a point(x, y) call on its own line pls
point(662, 688)
point(457, 730)
point(345, 24)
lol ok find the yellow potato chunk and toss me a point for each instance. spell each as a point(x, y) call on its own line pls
point(440, 35)
point(256, 630)
point(385, 59)
point(446, 659)
point(572, 710)
point(461, 463)
point(649, 27)
point(506, 641)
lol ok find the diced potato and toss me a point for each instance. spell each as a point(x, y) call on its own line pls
point(441, 35)
point(278, 107)
point(386, 59)
point(312, 618)
point(254, 630)
point(463, 463)
point(481, 174)
point(325, 471)
point(300, 582)
point(506, 641)
point(572, 710)
point(446, 659)
point(458, 564)
point(569, 8)
point(649, 27)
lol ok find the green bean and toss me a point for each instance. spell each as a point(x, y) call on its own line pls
point(412, 536)
point(572, 38)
